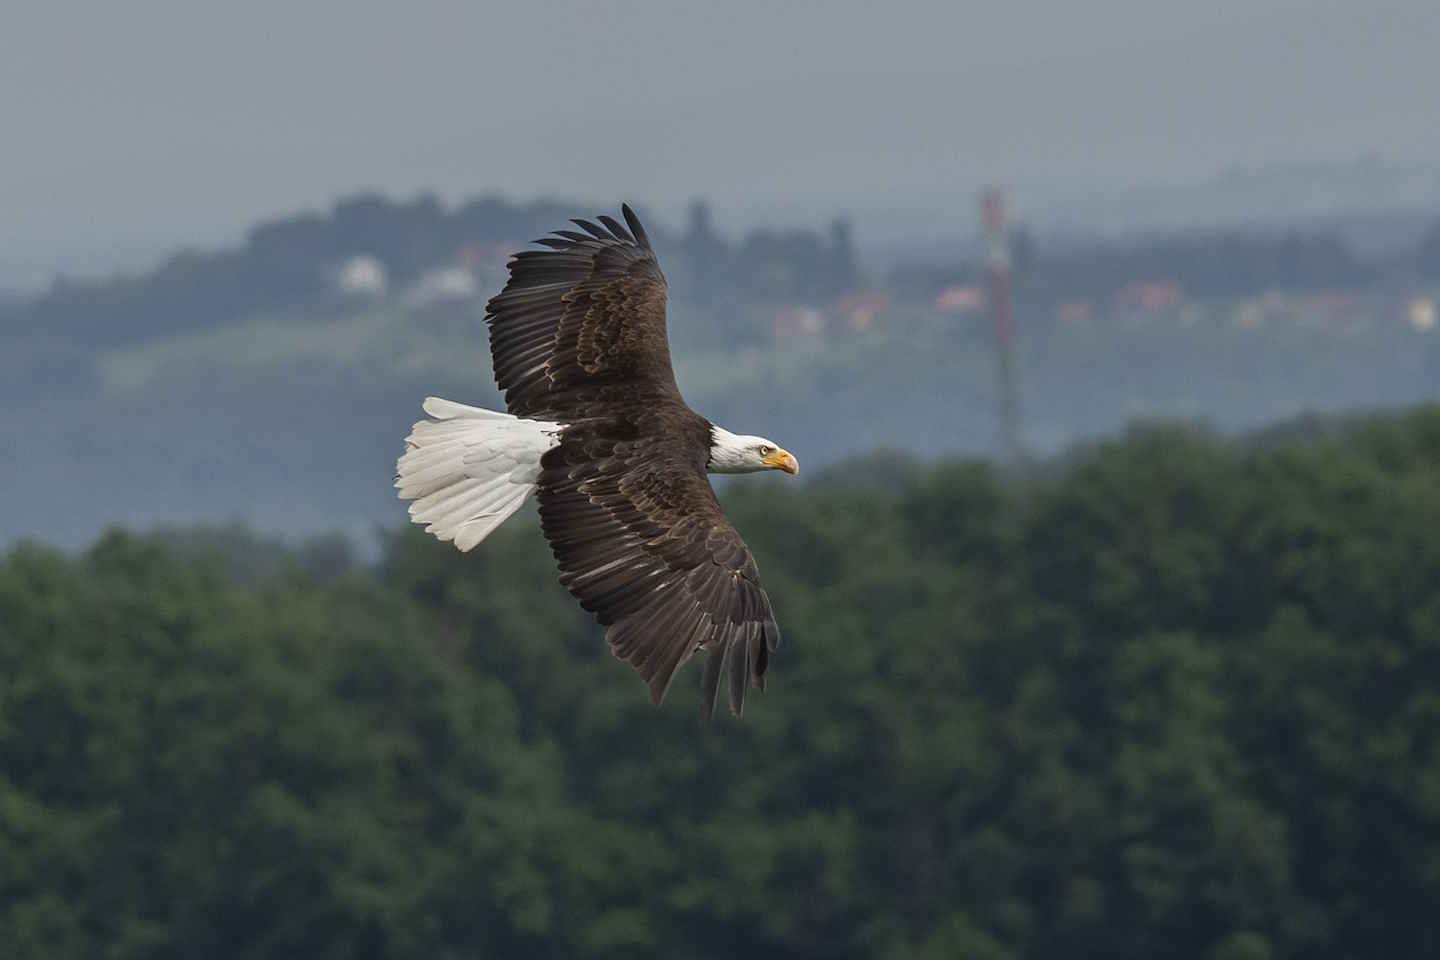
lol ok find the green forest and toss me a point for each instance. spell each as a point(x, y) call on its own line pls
point(1171, 696)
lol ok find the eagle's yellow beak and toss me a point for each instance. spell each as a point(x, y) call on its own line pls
point(782, 460)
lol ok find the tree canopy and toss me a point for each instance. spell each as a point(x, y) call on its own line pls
point(1175, 697)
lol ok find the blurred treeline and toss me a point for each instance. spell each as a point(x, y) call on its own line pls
point(1174, 697)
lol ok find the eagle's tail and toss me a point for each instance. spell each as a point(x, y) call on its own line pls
point(467, 469)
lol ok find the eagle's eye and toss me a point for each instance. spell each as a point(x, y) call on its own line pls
point(766, 449)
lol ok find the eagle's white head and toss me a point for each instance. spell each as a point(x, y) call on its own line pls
point(731, 453)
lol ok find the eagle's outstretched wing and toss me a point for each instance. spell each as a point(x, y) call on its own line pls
point(643, 544)
point(581, 322)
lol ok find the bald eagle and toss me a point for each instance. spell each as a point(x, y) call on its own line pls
point(596, 428)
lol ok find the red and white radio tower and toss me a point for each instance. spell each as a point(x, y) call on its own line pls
point(997, 282)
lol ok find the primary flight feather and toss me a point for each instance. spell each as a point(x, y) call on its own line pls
point(596, 428)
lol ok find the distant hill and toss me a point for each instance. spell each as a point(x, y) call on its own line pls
point(280, 263)
point(272, 382)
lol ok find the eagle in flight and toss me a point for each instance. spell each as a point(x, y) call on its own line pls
point(596, 428)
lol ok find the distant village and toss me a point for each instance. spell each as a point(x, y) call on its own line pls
point(799, 285)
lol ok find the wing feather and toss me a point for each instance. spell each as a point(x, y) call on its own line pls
point(591, 229)
point(615, 229)
point(635, 227)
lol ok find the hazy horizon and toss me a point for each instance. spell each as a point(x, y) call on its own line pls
point(210, 120)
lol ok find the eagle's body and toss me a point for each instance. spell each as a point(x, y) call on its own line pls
point(597, 429)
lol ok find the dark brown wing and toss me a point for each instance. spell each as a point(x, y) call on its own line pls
point(643, 544)
point(582, 321)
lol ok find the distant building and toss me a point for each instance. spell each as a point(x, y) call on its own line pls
point(859, 311)
point(1074, 313)
point(1249, 313)
point(1326, 309)
point(447, 284)
point(1421, 314)
point(797, 321)
point(362, 276)
point(960, 299)
point(1154, 296)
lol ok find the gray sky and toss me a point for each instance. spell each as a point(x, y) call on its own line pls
point(130, 127)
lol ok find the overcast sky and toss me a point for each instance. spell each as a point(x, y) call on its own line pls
point(128, 127)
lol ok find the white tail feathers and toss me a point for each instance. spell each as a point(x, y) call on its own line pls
point(468, 469)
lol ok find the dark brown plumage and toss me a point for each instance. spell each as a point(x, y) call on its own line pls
point(578, 337)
